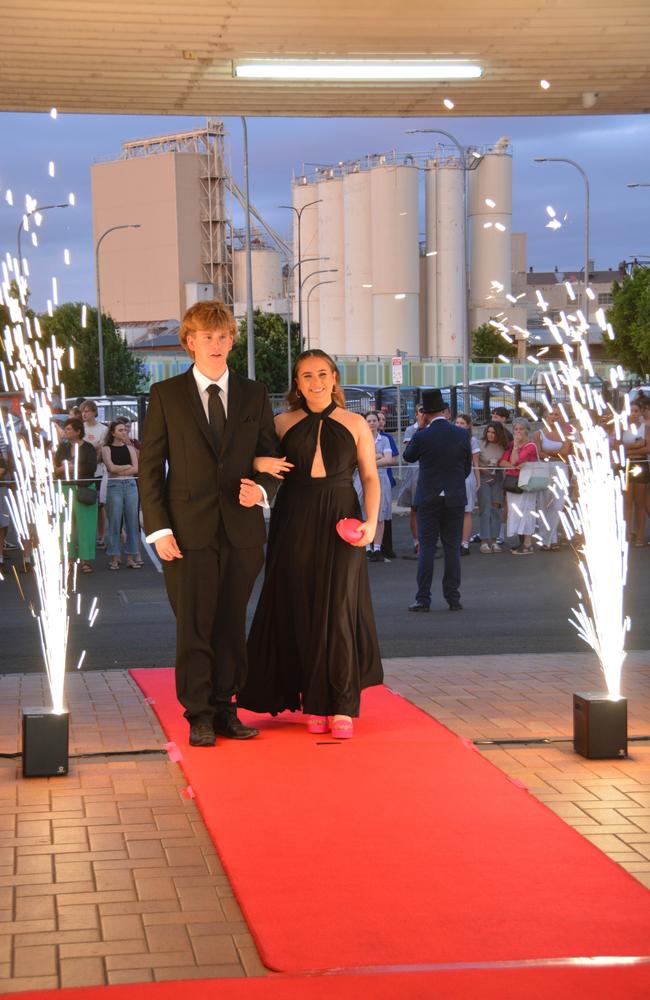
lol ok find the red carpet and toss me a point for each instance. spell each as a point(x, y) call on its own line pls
point(465, 984)
point(399, 847)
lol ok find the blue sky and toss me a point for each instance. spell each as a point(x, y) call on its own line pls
point(613, 151)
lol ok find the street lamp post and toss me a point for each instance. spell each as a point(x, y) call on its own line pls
point(299, 212)
point(100, 338)
point(26, 215)
point(563, 159)
point(321, 270)
point(639, 184)
point(250, 330)
point(329, 281)
point(290, 271)
point(462, 153)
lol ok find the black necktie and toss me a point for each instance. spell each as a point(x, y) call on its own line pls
point(217, 415)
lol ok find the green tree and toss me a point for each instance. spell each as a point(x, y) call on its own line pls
point(270, 350)
point(487, 342)
point(124, 373)
point(5, 314)
point(630, 318)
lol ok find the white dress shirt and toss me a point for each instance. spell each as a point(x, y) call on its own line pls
point(202, 383)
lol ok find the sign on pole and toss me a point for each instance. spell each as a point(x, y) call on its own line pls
point(397, 371)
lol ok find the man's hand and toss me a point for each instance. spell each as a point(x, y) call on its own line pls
point(250, 493)
point(167, 548)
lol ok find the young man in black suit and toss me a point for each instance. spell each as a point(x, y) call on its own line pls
point(202, 508)
point(445, 456)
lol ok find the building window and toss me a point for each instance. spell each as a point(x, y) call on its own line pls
point(605, 298)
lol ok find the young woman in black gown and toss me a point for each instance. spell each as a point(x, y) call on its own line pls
point(313, 642)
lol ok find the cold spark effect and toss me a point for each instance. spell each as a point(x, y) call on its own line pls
point(40, 506)
point(594, 519)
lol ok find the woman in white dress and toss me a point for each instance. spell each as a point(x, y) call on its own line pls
point(521, 519)
point(472, 482)
point(553, 446)
point(385, 458)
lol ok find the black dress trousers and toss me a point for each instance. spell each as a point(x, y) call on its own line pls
point(209, 590)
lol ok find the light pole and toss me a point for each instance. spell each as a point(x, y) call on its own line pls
point(290, 271)
point(322, 270)
point(26, 215)
point(299, 212)
point(462, 154)
point(250, 330)
point(562, 159)
point(329, 281)
point(639, 184)
point(100, 339)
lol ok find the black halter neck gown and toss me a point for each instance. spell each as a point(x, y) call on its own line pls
point(313, 642)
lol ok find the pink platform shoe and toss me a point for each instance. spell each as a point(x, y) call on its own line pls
point(342, 729)
point(317, 724)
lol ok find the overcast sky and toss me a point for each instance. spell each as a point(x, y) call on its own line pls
point(614, 151)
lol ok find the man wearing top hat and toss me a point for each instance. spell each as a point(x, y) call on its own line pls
point(445, 456)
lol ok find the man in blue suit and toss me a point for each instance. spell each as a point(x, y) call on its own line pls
point(445, 456)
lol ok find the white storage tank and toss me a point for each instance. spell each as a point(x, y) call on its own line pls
point(490, 220)
point(267, 275)
point(357, 262)
point(303, 194)
point(395, 259)
point(331, 296)
point(451, 304)
point(431, 252)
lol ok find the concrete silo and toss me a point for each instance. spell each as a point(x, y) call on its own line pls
point(357, 262)
point(267, 276)
point(303, 194)
point(331, 302)
point(395, 259)
point(445, 241)
point(490, 228)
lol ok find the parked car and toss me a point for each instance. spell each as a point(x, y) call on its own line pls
point(410, 396)
point(361, 398)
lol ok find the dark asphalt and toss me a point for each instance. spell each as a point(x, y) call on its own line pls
point(511, 605)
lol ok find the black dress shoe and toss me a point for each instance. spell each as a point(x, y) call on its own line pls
point(456, 607)
point(418, 607)
point(202, 734)
point(233, 728)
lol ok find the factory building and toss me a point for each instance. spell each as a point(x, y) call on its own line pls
point(376, 285)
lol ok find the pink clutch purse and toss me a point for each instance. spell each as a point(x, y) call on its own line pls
point(349, 529)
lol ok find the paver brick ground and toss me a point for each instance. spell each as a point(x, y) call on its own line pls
point(108, 875)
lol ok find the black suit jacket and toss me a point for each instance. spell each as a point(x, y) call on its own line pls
point(445, 456)
point(185, 484)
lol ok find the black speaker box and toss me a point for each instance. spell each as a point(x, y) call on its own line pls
point(599, 725)
point(45, 743)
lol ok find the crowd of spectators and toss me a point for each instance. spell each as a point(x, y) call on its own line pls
point(523, 510)
point(98, 466)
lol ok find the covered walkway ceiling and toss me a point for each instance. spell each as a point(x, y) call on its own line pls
point(176, 56)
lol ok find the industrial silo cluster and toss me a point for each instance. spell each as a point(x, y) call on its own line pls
point(380, 286)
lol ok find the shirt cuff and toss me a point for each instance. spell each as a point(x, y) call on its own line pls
point(264, 502)
point(155, 535)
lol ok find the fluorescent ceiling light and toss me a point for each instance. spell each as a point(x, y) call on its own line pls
point(381, 70)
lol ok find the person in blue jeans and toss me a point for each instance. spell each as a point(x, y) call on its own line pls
point(121, 461)
point(490, 492)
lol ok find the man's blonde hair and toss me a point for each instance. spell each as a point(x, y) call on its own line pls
point(210, 315)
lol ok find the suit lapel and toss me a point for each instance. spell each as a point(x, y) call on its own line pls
point(196, 408)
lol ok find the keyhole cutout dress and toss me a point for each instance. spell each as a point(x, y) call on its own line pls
point(313, 642)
